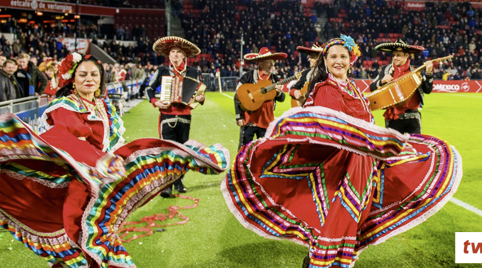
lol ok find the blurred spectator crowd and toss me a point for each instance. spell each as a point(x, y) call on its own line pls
point(121, 3)
point(25, 75)
point(42, 41)
point(444, 28)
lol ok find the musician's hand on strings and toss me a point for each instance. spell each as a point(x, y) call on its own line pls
point(200, 98)
point(429, 67)
point(240, 122)
point(297, 94)
point(279, 88)
point(387, 79)
point(162, 105)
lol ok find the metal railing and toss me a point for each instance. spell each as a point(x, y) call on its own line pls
point(228, 83)
point(30, 109)
point(33, 105)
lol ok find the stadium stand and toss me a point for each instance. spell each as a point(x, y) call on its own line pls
point(451, 27)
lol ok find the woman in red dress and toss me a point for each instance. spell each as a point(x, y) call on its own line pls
point(326, 177)
point(67, 191)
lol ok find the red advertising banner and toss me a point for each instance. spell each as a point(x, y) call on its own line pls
point(40, 5)
point(363, 85)
point(82, 44)
point(311, 3)
point(414, 5)
point(60, 7)
point(450, 86)
point(458, 86)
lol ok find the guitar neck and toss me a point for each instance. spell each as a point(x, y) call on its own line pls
point(435, 60)
point(273, 86)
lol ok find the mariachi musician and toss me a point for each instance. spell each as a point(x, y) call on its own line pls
point(175, 118)
point(298, 90)
point(256, 122)
point(404, 117)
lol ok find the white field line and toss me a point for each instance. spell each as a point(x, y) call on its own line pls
point(227, 96)
point(466, 206)
point(467, 96)
point(453, 199)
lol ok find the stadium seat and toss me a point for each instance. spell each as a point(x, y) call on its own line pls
point(367, 64)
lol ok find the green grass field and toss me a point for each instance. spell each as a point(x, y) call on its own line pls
point(214, 238)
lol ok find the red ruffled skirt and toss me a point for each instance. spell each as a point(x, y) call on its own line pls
point(68, 212)
point(338, 184)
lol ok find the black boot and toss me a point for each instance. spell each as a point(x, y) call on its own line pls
point(166, 193)
point(179, 186)
point(306, 262)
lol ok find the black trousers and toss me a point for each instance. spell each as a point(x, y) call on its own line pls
point(409, 125)
point(175, 128)
point(247, 134)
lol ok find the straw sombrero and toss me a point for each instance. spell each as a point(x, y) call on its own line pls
point(399, 45)
point(164, 45)
point(265, 54)
point(315, 48)
point(45, 64)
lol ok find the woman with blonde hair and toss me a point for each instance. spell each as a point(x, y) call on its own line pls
point(49, 69)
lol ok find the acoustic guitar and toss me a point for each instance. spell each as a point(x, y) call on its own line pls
point(252, 96)
point(400, 89)
point(299, 102)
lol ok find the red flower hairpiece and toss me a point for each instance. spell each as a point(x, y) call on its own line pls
point(67, 67)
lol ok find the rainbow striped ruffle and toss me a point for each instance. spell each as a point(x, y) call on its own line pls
point(31, 165)
point(338, 184)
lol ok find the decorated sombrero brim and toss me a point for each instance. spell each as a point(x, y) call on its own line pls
point(45, 64)
point(164, 45)
point(265, 54)
point(399, 45)
point(315, 48)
